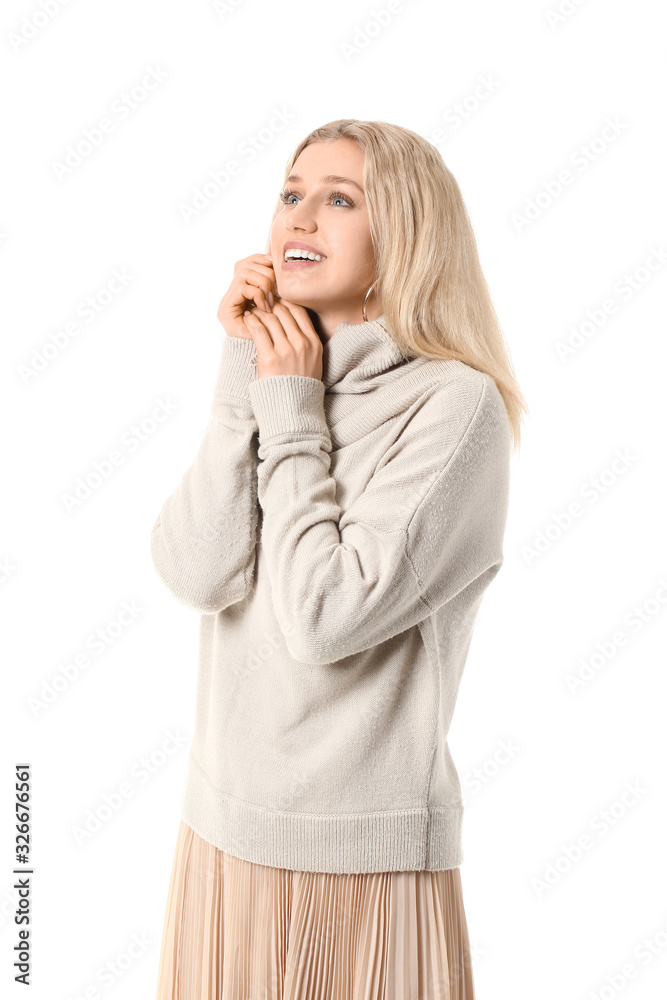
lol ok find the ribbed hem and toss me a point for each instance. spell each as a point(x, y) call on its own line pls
point(237, 368)
point(398, 840)
point(288, 404)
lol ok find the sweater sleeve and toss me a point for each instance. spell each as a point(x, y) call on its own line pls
point(203, 542)
point(428, 523)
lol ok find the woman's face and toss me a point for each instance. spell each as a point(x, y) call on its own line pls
point(331, 218)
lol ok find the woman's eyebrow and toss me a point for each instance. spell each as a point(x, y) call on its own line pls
point(329, 179)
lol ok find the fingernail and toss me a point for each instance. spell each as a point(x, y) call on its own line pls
point(271, 298)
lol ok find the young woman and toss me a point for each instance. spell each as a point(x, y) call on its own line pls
point(337, 530)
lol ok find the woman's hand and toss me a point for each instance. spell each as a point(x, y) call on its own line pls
point(254, 281)
point(286, 340)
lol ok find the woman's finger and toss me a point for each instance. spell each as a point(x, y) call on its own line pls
point(256, 288)
point(283, 342)
point(294, 352)
point(253, 293)
point(297, 318)
point(258, 332)
point(291, 352)
point(253, 281)
point(297, 338)
point(289, 341)
point(256, 258)
point(247, 266)
point(257, 280)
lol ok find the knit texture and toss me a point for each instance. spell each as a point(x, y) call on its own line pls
point(336, 537)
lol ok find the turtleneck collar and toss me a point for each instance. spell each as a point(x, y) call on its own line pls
point(355, 352)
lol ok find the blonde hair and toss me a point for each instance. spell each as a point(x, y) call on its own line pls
point(434, 296)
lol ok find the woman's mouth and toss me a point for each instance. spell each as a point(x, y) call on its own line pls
point(295, 260)
point(297, 263)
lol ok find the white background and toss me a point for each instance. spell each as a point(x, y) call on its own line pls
point(551, 86)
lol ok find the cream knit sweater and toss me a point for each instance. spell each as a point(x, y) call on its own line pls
point(336, 537)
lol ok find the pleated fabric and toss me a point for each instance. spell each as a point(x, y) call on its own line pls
point(236, 930)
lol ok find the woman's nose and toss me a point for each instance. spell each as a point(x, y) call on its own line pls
point(300, 218)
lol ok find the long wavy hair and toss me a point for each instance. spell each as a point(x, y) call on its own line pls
point(434, 296)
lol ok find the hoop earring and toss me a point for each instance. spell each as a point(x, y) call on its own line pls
point(363, 308)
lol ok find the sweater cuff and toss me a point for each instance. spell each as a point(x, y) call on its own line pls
point(288, 404)
point(238, 368)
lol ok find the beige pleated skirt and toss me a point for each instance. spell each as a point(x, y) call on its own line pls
point(235, 930)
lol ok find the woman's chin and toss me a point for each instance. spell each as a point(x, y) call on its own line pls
point(298, 296)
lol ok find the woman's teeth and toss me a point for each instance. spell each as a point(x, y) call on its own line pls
point(302, 255)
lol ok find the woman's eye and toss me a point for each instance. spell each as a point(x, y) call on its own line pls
point(339, 196)
point(333, 196)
